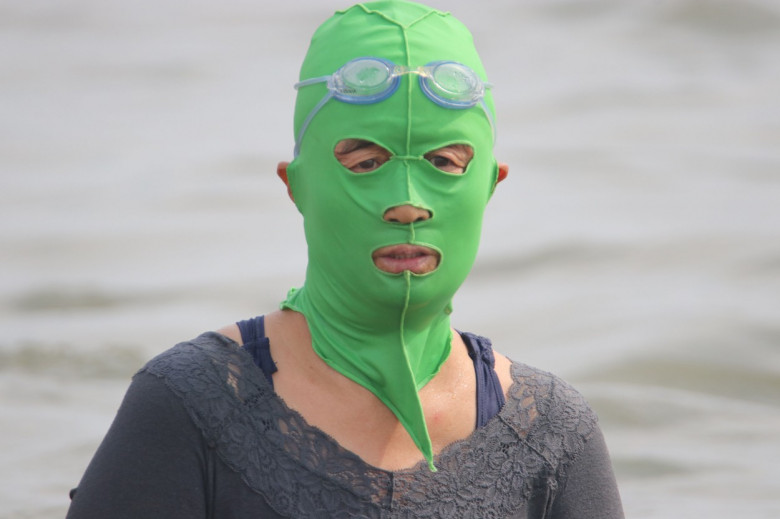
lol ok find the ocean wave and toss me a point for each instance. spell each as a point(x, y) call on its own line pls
point(67, 361)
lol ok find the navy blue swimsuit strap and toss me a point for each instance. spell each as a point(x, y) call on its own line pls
point(490, 395)
point(257, 344)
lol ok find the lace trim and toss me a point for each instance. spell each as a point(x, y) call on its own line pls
point(302, 472)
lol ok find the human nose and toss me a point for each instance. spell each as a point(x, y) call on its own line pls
point(406, 214)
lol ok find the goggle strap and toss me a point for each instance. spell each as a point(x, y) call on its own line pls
point(490, 117)
point(308, 119)
point(311, 81)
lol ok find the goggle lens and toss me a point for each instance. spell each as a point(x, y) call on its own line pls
point(364, 81)
point(452, 85)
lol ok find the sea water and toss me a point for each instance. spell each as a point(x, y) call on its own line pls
point(633, 250)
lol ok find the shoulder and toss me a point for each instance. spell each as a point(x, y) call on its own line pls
point(211, 376)
point(544, 387)
point(551, 415)
point(207, 350)
point(539, 397)
point(232, 332)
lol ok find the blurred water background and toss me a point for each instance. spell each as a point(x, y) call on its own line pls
point(634, 249)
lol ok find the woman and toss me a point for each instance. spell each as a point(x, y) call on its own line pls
point(357, 398)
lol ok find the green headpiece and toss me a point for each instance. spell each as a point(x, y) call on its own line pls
point(388, 332)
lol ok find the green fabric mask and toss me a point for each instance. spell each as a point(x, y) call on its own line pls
point(388, 332)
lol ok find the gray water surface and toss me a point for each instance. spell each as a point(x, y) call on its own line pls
point(634, 248)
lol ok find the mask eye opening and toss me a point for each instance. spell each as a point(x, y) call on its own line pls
point(361, 155)
point(453, 159)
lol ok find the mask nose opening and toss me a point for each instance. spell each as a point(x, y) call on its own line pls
point(406, 214)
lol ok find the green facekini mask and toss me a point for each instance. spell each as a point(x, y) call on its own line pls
point(388, 332)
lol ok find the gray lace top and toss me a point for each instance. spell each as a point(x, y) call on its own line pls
point(202, 434)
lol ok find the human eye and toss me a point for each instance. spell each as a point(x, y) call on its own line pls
point(365, 166)
point(360, 156)
point(445, 164)
point(451, 159)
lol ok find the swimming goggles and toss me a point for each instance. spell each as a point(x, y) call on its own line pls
point(370, 80)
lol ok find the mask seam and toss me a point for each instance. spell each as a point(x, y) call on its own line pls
point(368, 10)
point(408, 144)
point(408, 280)
point(407, 51)
point(426, 440)
point(402, 324)
point(412, 234)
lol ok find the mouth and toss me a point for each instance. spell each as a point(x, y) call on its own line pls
point(395, 259)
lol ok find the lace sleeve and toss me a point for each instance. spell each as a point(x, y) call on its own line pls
point(152, 462)
point(590, 490)
point(558, 423)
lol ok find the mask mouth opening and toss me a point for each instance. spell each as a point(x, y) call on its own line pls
point(401, 257)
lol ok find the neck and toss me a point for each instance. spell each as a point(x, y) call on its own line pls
point(391, 349)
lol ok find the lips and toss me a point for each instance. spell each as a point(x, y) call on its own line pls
point(395, 259)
